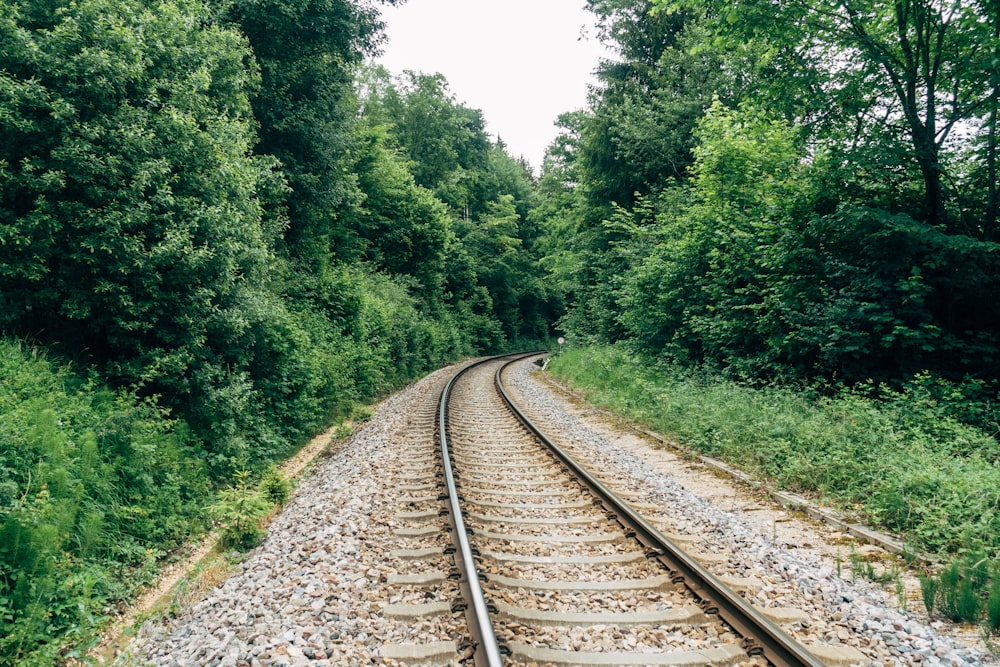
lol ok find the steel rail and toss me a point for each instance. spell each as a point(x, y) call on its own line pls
point(487, 652)
point(764, 637)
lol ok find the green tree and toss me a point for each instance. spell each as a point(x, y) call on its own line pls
point(445, 139)
point(132, 224)
point(702, 288)
point(638, 132)
point(744, 270)
point(405, 228)
point(636, 140)
point(307, 52)
point(923, 67)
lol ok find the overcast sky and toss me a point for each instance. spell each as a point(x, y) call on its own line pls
point(522, 62)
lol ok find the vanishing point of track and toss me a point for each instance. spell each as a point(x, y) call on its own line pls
point(554, 568)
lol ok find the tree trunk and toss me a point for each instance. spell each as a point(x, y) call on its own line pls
point(930, 169)
point(993, 192)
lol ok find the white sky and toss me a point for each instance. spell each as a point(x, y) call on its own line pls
point(522, 62)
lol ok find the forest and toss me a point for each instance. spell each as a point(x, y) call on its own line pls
point(222, 229)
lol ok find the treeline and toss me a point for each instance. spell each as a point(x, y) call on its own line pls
point(800, 191)
point(225, 231)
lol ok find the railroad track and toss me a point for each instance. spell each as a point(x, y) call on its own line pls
point(551, 567)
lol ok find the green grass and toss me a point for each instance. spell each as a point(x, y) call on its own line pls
point(898, 462)
point(95, 487)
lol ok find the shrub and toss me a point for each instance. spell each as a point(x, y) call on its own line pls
point(275, 487)
point(239, 512)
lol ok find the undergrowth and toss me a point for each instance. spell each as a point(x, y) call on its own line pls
point(896, 461)
point(96, 486)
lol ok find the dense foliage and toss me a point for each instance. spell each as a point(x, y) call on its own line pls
point(228, 239)
point(802, 190)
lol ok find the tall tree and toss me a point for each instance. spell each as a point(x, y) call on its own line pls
point(638, 132)
point(926, 66)
point(990, 142)
point(308, 51)
point(493, 278)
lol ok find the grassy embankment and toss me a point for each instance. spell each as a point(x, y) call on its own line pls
point(897, 461)
point(97, 488)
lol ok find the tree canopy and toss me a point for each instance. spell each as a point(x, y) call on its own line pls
point(804, 189)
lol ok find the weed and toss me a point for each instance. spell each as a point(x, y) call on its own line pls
point(965, 592)
point(928, 590)
point(993, 603)
point(865, 568)
point(204, 576)
point(857, 563)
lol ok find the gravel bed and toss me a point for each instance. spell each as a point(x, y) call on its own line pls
point(856, 613)
point(573, 571)
point(610, 602)
point(312, 593)
point(536, 549)
point(514, 513)
point(611, 640)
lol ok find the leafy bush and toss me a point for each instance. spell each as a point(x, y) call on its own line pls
point(748, 265)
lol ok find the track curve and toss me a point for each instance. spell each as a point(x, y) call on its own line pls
point(523, 494)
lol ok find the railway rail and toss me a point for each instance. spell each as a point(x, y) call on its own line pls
point(554, 567)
